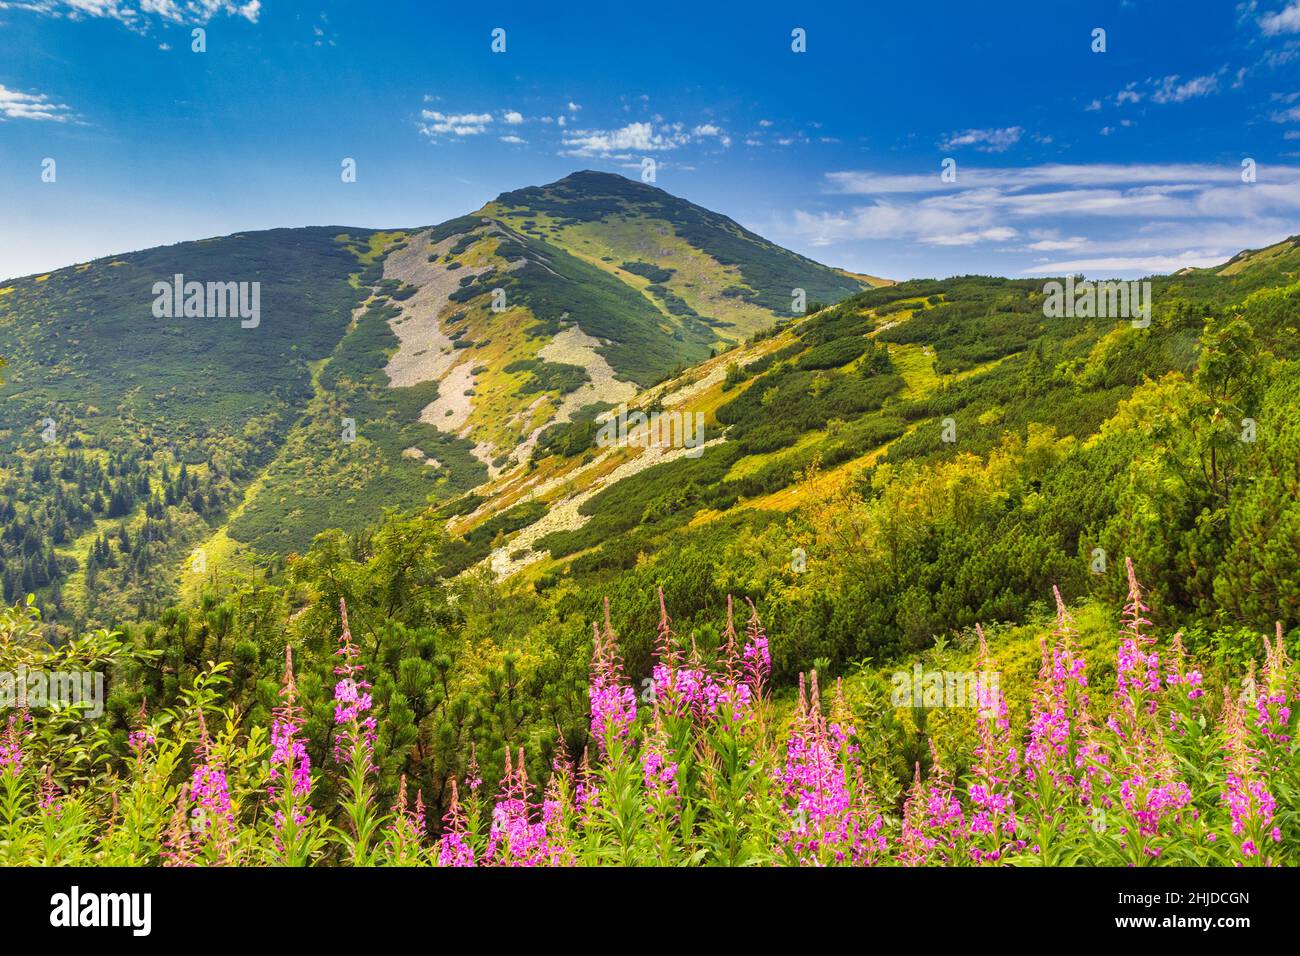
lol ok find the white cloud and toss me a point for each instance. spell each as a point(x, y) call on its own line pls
point(139, 15)
point(1286, 20)
point(994, 234)
point(438, 124)
point(710, 130)
point(985, 140)
point(1128, 217)
point(1026, 177)
point(638, 137)
point(1169, 90)
point(1172, 89)
point(1057, 245)
point(573, 107)
point(454, 124)
point(32, 106)
point(1111, 265)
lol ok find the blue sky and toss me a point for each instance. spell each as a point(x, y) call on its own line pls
point(1115, 163)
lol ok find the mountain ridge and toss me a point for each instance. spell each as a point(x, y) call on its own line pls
point(391, 330)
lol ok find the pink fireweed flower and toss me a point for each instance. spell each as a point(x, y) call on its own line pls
point(1251, 805)
point(1137, 677)
point(557, 807)
point(673, 689)
point(1272, 697)
point(473, 776)
point(211, 796)
point(142, 738)
point(209, 790)
point(1151, 798)
point(1058, 721)
point(828, 817)
point(757, 656)
point(177, 844)
point(997, 765)
point(515, 837)
point(586, 793)
point(731, 697)
point(659, 772)
point(934, 827)
point(352, 702)
point(454, 848)
point(289, 757)
point(1184, 686)
point(1178, 674)
point(11, 747)
point(659, 775)
point(613, 702)
point(407, 823)
point(694, 689)
point(48, 795)
point(1141, 764)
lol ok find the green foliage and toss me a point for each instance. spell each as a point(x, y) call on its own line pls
point(648, 271)
point(549, 376)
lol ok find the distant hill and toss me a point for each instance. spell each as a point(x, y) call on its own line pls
point(385, 369)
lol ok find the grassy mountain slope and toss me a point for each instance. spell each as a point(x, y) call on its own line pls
point(389, 369)
point(693, 263)
point(865, 396)
point(114, 422)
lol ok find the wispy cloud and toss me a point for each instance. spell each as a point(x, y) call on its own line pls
point(640, 137)
point(1112, 265)
point(1171, 90)
point(138, 15)
point(1028, 177)
point(437, 124)
point(1148, 216)
point(985, 140)
point(454, 124)
point(32, 106)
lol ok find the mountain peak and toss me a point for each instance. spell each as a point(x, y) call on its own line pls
point(593, 177)
point(589, 184)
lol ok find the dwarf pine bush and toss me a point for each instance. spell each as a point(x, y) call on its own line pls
point(700, 768)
